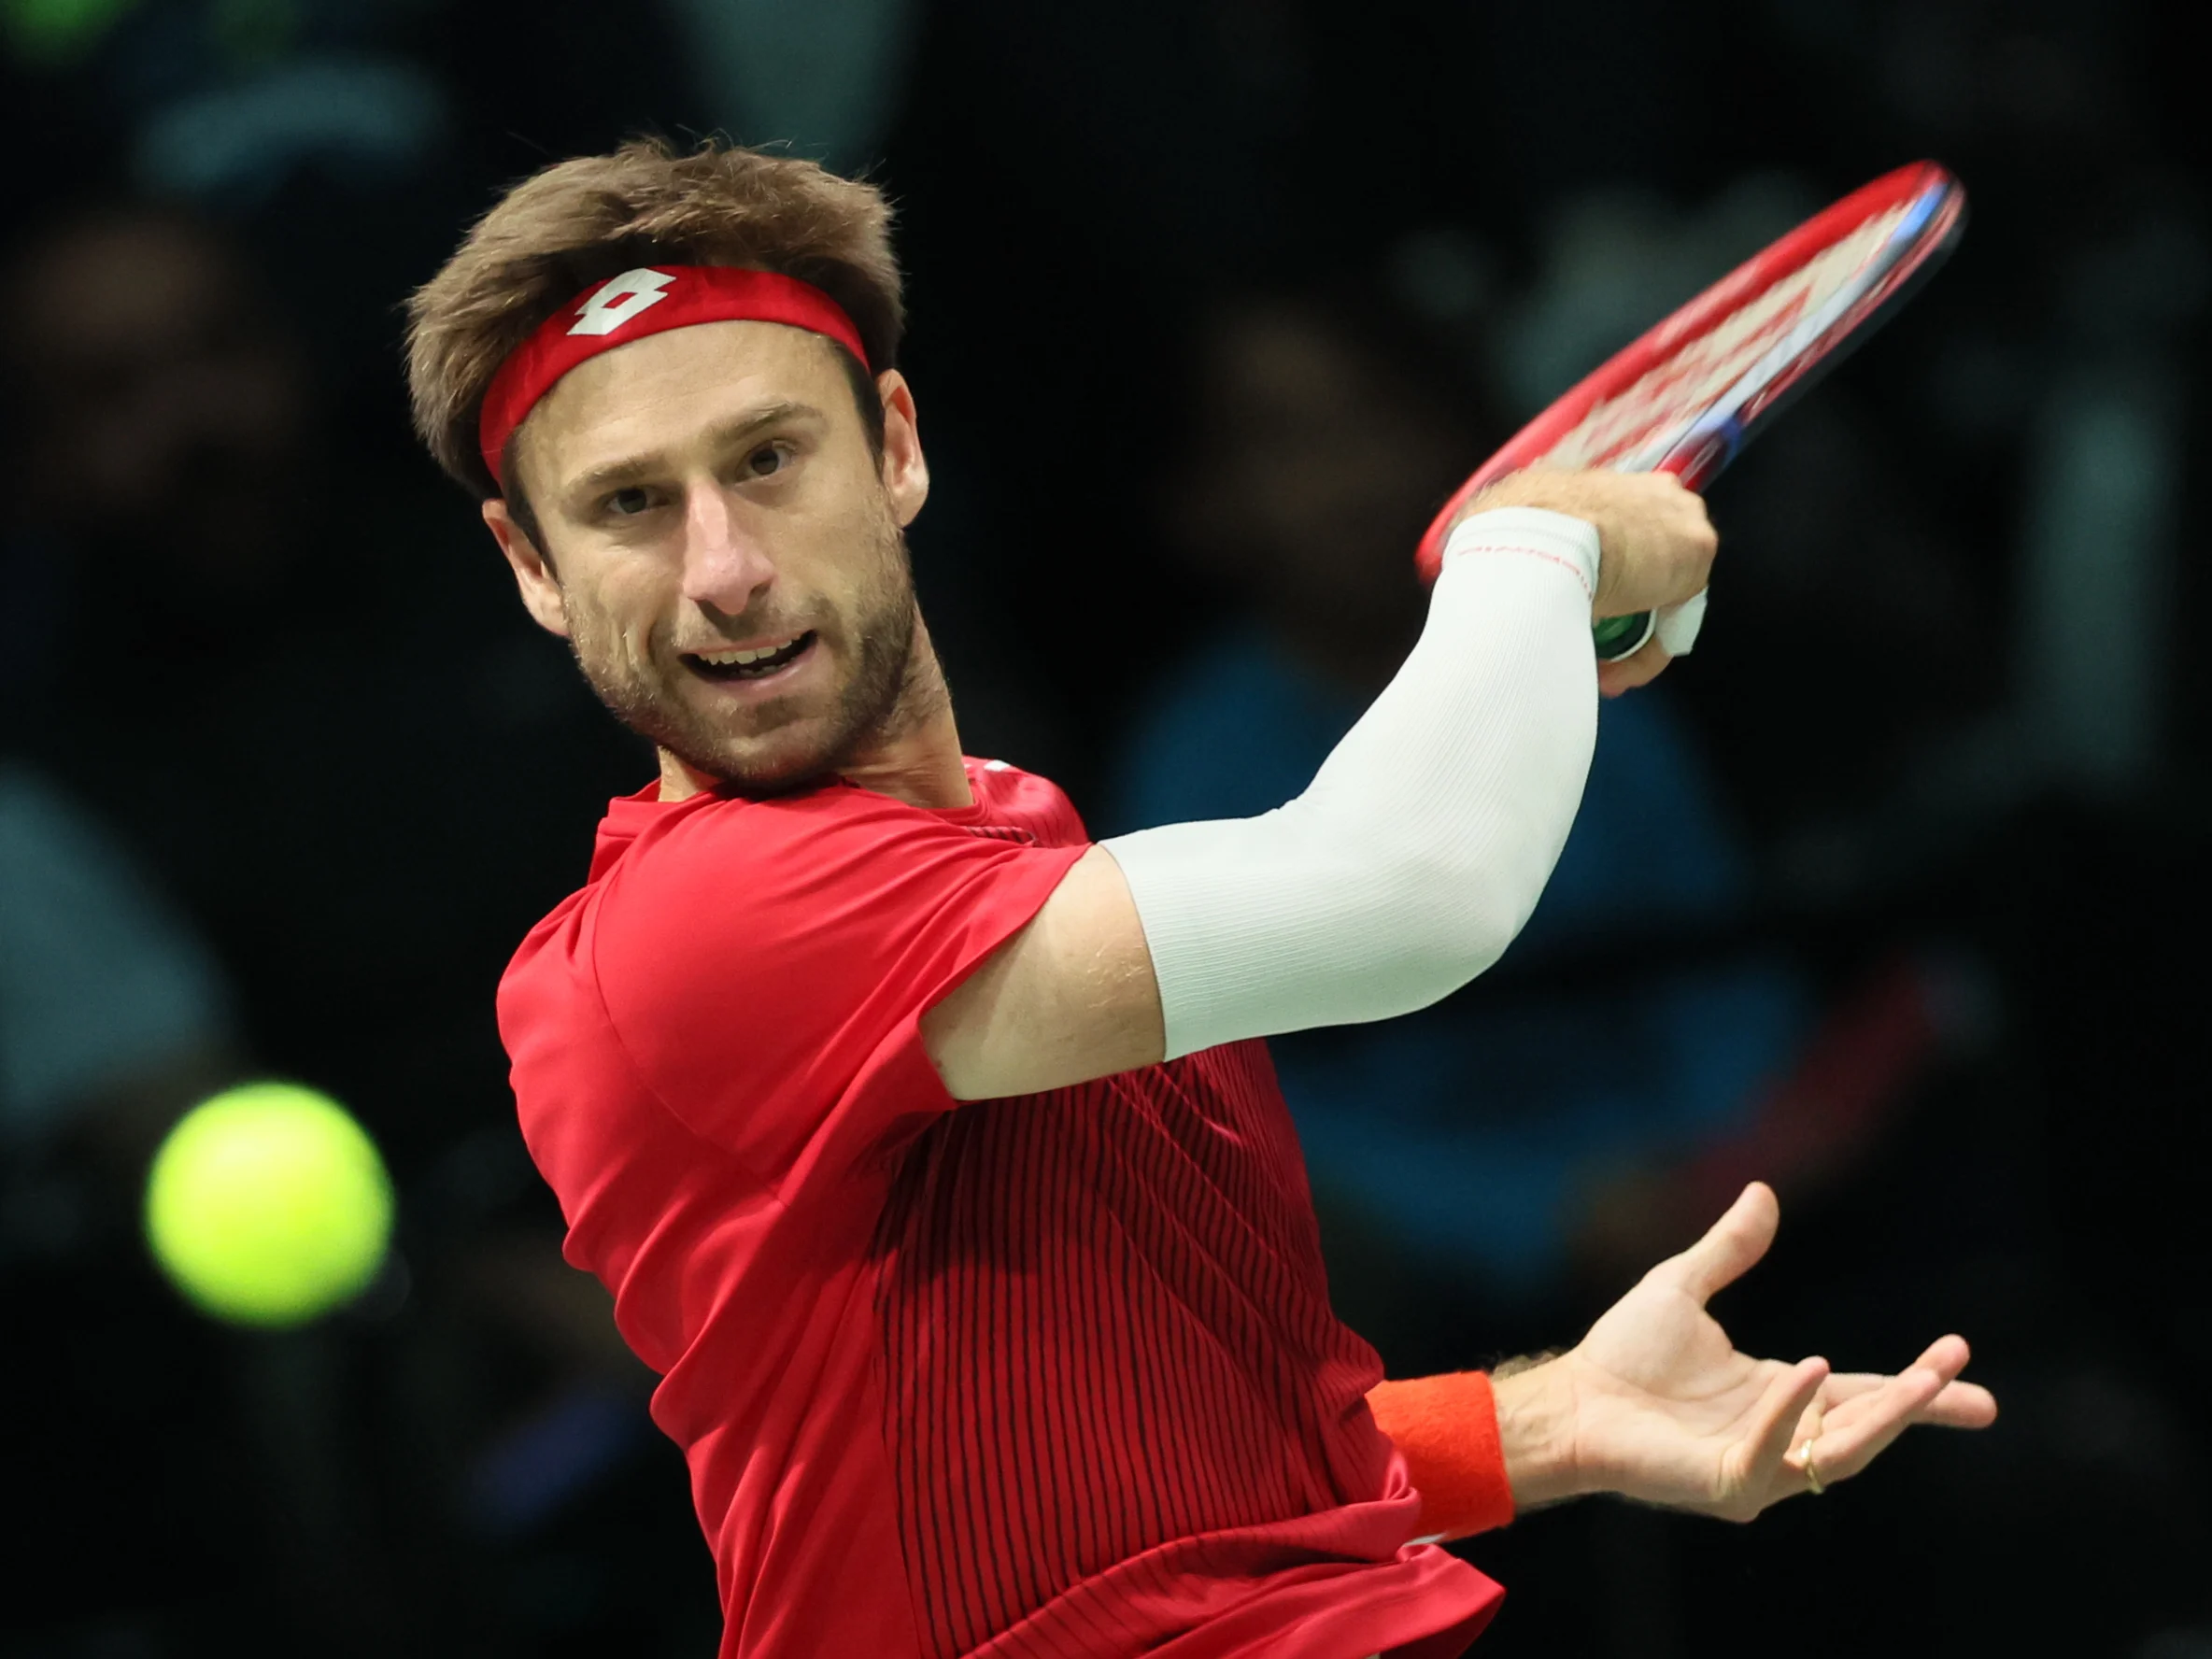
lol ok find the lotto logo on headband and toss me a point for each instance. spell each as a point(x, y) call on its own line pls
point(620, 300)
point(647, 301)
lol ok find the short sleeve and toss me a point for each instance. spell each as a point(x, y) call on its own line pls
point(765, 965)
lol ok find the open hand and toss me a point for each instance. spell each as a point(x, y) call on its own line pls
point(1658, 1405)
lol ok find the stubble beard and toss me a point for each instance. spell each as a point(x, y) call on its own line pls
point(869, 706)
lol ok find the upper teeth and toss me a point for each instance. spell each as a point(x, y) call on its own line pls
point(737, 658)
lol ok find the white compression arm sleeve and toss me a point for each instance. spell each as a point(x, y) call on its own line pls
point(1419, 850)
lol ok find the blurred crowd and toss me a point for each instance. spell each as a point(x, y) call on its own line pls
point(1888, 896)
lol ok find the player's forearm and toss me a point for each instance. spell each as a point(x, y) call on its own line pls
point(1536, 1431)
point(1425, 840)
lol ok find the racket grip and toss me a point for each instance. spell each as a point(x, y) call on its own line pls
point(1622, 636)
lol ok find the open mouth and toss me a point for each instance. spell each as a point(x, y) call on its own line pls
point(754, 663)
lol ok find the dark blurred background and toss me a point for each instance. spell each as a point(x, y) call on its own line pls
point(1893, 893)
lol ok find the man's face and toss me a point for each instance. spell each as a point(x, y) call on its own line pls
point(722, 551)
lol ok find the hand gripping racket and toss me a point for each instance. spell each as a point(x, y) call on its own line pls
point(1690, 394)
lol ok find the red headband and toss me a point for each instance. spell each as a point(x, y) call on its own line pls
point(650, 299)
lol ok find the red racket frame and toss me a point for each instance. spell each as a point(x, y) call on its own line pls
point(1697, 464)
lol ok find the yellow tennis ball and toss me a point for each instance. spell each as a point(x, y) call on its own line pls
point(268, 1205)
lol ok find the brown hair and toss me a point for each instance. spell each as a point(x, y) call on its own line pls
point(582, 222)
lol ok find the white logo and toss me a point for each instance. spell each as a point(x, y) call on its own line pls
point(620, 300)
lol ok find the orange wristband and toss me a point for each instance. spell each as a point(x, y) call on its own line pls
point(1446, 1427)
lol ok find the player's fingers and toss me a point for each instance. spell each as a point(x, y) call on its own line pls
point(1843, 1450)
point(1730, 1246)
point(1960, 1405)
point(1774, 1420)
point(1638, 667)
point(1847, 1392)
point(1947, 1357)
point(1956, 1404)
point(1849, 1386)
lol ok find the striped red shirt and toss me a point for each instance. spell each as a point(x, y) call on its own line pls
point(1052, 1376)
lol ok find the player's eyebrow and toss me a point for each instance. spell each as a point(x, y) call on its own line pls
point(727, 434)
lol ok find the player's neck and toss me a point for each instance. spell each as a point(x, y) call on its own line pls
point(915, 758)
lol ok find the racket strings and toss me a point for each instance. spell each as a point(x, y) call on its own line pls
point(1636, 429)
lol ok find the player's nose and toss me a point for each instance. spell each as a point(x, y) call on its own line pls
point(725, 566)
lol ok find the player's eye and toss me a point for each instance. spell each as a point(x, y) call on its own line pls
point(767, 460)
point(626, 503)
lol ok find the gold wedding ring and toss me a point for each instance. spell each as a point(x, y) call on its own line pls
point(1812, 1474)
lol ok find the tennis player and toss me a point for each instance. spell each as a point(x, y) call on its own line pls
point(930, 1149)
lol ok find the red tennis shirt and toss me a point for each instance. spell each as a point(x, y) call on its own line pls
point(1051, 1375)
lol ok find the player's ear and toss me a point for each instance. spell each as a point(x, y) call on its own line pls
point(533, 572)
point(905, 473)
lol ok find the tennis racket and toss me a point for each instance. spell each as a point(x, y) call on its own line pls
point(1692, 392)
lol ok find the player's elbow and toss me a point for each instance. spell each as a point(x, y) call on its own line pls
point(1452, 923)
point(1466, 942)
